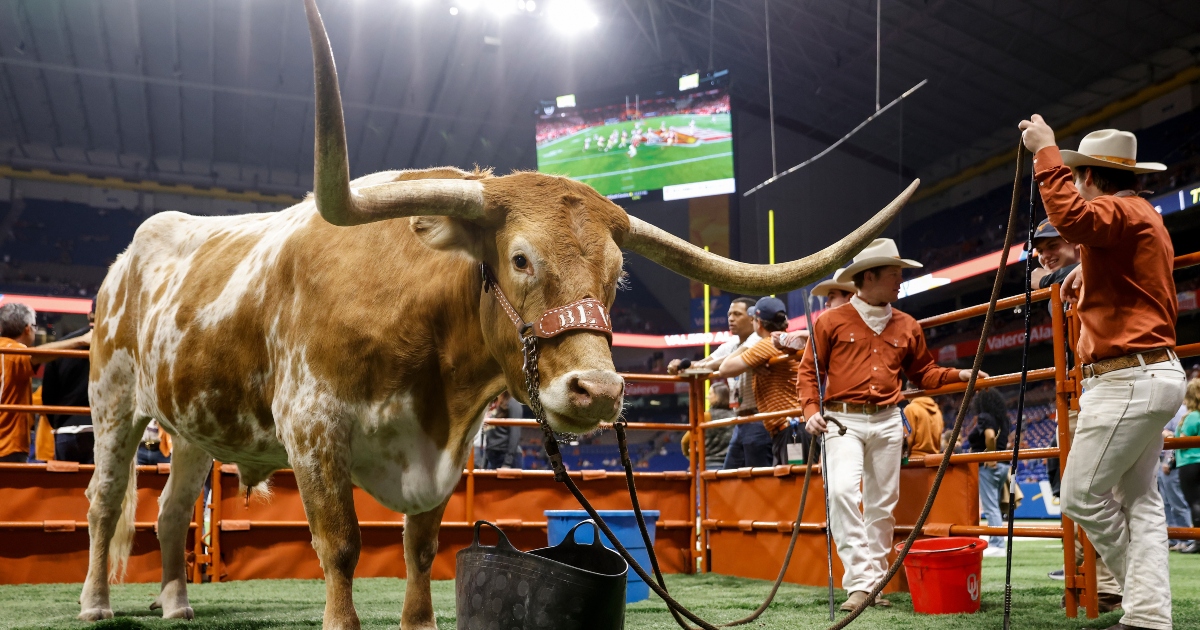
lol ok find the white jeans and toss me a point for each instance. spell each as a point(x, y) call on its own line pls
point(867, 457)
point(1109, 486)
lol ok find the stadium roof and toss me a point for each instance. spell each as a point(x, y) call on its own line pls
point(218, 92)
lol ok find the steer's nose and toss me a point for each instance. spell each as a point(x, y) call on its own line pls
point(596, 393)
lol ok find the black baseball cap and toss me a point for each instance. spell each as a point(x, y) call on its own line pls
point(768, 308)
point(1044, 231)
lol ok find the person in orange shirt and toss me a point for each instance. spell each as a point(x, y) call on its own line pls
point(863, 347)
point(1124, 292)
point(927, 425)
point(17, 329)
point(774, 382)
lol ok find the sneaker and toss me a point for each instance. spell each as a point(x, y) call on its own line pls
point(1060, 575)
point(1192, 547)
point(995, 552)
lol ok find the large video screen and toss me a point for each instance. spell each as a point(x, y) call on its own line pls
point(679, 142)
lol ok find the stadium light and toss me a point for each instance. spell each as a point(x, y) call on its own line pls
point(453, 10)
point(571, 16)
point(501, 7)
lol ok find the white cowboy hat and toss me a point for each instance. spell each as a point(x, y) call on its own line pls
point(882, 252)
point(1110, 148)
point(836, 282)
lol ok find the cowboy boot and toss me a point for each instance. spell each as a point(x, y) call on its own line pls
point(854, 601)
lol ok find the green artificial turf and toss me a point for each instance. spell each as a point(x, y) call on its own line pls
point(653, 167)
point(299, 603)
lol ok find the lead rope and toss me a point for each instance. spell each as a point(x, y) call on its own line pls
point(787, 559)
point(550, 443)
point(812, 341)
point(1012, 491)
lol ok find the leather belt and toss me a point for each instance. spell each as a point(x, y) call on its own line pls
point(150, 446)
point(849, 407)
point(1105, 366)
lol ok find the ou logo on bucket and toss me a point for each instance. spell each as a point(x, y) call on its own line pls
point(973, 586)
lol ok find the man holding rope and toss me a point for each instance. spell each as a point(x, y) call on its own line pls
point(1125, 294)
point(864, 345)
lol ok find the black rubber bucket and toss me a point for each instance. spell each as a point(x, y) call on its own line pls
point(566, 587)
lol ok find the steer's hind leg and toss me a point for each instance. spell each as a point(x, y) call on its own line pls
point(420, 547)
point(112, 494)
point(320, 459)
point(189, 467)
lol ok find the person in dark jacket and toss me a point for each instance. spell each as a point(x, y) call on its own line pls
point(502, 445)
point(991, 434)
point(65, 383)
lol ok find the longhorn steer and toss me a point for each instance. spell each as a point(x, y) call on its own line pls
point(358, 348)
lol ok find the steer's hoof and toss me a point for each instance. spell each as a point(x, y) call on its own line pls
point(180, 613)
point(96, 614)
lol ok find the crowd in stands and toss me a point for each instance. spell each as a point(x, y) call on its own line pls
point(69, 233)
point(558, 124)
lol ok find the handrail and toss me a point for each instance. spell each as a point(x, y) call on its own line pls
point(47, 409)
point(1187, 260)
point(968, 312)
point(983, 383)
point(632, 426)
point(39, 352)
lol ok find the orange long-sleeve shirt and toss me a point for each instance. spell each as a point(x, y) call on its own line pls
point(860, 366)
point(1128, 302)
point(16, 379)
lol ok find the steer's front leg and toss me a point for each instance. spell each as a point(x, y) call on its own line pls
point(420, 547)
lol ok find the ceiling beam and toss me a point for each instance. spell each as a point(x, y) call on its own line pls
point(212, 87)
point(147, 185)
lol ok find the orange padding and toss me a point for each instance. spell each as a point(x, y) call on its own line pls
point(44, 536)
point(763, 508)
point(36, 543)
point(284, 550)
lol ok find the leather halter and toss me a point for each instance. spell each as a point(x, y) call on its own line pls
point(585, 314)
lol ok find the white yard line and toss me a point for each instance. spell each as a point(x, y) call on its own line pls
point(653, 166)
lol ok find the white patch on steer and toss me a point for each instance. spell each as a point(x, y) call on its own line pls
point(397, 463)
point(107, 394)
point(273, 231)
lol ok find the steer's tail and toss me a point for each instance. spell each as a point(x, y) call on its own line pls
point(121, 544)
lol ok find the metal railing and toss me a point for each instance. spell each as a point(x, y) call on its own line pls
point(1080, 583)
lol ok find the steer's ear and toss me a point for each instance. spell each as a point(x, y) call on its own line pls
point(449, 234)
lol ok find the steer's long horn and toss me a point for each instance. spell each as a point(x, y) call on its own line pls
point(680, 256)
point(331, 174)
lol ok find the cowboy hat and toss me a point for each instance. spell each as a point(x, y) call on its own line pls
point(1110, 148)
point(836, 282)
point(882, 252)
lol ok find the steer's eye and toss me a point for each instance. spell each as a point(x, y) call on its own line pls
point(520, 262)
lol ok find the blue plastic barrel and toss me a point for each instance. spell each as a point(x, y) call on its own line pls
point(624, 525)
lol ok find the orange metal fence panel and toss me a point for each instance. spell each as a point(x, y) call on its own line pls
point(44, 530)
point(749, 518)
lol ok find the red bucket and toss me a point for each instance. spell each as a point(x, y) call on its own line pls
point(944, 574)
